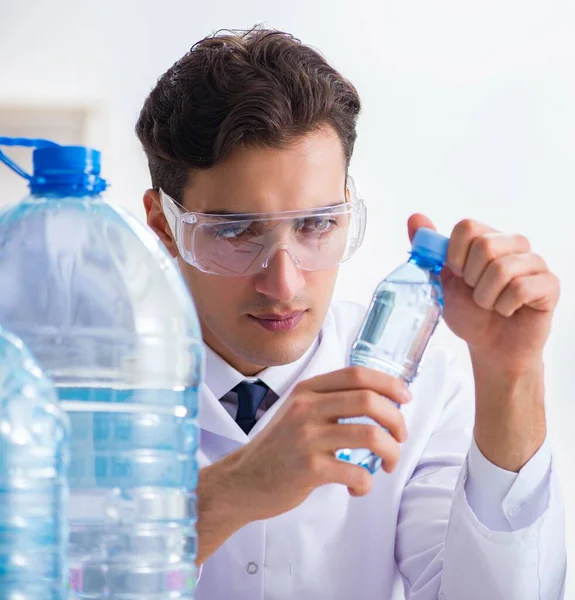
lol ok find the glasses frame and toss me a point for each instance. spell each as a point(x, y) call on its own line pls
point(177, 217)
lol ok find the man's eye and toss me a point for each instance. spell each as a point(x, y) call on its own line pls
point(231, 232)
point(315, 224)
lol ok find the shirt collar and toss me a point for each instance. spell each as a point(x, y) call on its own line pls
point(222, 377)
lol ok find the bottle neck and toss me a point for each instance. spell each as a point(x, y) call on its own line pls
point(67, 183)
point(424, 262)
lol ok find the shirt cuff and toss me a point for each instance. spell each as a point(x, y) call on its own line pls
point(506, 501)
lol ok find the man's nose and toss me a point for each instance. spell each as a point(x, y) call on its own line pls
point(280, 278)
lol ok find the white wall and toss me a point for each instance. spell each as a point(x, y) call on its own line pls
point(468, 111)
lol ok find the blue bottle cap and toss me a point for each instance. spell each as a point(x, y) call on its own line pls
point(67, 169)
point(61, 159)
point(430, 245)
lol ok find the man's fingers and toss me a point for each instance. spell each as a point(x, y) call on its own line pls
point(489, 247)
point(359, 378)
point(357, 479)
point(539, 292)
point(462, 236)
point(362, 403)
point(500, 272)
point(351, 435)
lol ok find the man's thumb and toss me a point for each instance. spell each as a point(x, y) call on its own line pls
point(415, 222)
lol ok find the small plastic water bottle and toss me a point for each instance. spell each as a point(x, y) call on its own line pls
point(405, 310)
point(98, 299)
point(34, 438)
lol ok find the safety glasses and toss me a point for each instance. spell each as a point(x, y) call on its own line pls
point(240, 245)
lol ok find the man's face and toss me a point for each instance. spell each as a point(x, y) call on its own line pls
point(236, 313)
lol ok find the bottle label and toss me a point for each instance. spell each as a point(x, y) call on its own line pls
point(76, 582)
point(175, 581)
point(178, 581)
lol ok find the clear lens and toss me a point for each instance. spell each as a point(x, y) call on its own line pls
point(241, 247)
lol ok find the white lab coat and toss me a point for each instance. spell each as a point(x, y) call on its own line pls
point(414, 535)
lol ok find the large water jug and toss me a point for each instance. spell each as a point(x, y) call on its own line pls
point(34, 437)
point(101, 303)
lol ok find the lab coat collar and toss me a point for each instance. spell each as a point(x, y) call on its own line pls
point(320, 358)
point(221, 377)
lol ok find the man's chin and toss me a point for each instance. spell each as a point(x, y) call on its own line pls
point(274, 351)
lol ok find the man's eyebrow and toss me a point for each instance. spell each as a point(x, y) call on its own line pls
point(221, 212)
point(224, 212)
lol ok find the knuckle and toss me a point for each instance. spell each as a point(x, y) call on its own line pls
point(480, 299)
point(367, 401)
point(517, 287)
point(522, 241)
point(298, 391)
point(298, 388)
point(300, 405)
point(399, 388)
point(371, 436)
point(465, 227)
point(486, 245)
point(302, 388)
point(313, 464)
point(356, 376)
point(541, 263)
point(500, 268)
point(299, 402)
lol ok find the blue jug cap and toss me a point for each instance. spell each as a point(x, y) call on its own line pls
point(430, 245)
point(65, 158)
point(67, 169)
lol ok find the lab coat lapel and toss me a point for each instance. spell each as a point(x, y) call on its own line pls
point(215, 418)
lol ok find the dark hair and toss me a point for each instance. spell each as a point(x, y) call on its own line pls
point(233, 89)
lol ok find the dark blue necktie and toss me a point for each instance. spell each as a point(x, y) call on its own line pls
point(250, 396)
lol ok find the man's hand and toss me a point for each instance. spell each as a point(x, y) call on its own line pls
point(500, 298)
point(499, 295)
point(295, 453)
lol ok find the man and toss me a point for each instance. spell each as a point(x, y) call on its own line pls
point(241, 132)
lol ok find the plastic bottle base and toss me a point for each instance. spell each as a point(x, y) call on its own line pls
point(361, 457)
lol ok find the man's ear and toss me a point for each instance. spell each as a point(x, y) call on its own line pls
point(157, 221)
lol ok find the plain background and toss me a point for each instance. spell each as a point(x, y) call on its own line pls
point(468, 111)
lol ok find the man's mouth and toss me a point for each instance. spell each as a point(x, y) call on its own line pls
point(279, 321)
